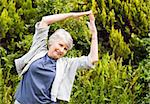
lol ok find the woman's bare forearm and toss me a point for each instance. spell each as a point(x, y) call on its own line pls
point(46, 20)
point(94, 49)
point(94, 41)
point(54, 18)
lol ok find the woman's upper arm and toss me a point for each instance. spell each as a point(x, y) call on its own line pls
point(41, 34)
point(81, 62)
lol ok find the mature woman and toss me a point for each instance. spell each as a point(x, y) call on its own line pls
point(47, 76)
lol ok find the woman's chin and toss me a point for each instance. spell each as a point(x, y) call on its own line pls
point(56, 57)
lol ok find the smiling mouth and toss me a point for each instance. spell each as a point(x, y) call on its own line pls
point(58, 53)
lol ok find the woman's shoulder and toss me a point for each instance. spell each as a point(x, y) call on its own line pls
point(72, 59)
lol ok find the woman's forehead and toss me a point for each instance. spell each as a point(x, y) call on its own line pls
point(63, 43)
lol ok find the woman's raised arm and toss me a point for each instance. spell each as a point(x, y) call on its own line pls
point(94, 42)
point(46, 20)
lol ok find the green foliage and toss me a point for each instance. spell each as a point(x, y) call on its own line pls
point(145, 74)
point(120, 48)
point(5, 22)
point(13, 39)
point(129, 17)
point(8, 78)
point(109, 82)
point(1, 85)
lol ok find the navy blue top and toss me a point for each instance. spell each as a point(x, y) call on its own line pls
point(36, 83)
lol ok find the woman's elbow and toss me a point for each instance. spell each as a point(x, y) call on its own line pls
point(42, 24)
point(95, 60)
point(48, 19)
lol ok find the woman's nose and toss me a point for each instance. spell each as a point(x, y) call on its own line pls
point(61, 49)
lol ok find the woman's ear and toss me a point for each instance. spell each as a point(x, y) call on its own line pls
point(48, 46)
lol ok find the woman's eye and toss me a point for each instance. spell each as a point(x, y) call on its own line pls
point(66, 49)
point(61, 45)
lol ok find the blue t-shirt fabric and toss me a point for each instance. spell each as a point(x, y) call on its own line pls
point(34, 88)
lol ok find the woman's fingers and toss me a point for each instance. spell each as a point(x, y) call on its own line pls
point(91, 24)
point(89, 12)
point(78, 14)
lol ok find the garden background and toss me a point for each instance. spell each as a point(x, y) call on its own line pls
point(122, 74)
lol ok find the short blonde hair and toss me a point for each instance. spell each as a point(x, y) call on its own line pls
point(61, 34)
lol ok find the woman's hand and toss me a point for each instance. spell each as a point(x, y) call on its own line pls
point(91, 24)
point(78, 14)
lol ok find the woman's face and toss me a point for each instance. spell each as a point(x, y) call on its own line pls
point(57, 50)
